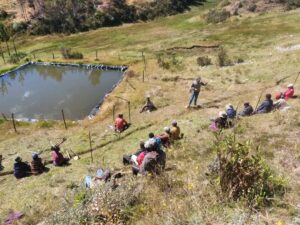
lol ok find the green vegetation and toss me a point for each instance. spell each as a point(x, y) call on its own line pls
point(184, 194)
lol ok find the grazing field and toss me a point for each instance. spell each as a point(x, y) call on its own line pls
point(184, 194)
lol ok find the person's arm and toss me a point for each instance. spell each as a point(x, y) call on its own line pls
point(203, 84)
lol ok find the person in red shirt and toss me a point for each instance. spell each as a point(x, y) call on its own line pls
point(57, 157)
point(121, 124)
point(289, 93)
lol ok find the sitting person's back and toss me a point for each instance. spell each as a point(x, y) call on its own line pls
point(248, 110)
point(149, 106)
point(120, 123)
point(230, 111)
point(175, 131)
point(266, 106)
point(21, 169)
point(165, 137)
point(36, 165)
point(221, 122)
point(58, 158)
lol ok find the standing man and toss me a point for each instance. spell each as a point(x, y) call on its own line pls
point(195, 90)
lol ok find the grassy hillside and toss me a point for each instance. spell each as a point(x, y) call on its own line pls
point(184, 194)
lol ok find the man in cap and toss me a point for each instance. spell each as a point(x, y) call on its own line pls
point(36, 165)
point(195, 90)
point(175, 131)
point(247, 111)
point(121, 124)
point(149, 106)
point(21, 169)
point(266, 106)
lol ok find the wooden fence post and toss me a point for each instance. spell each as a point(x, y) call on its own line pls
point(4, 117)
point(96, 54)
point(129, 112)
point(53, 55)
point(14, 123)
point(113, 112)
point(63, 116)
point(91, 148)
point(143, 76)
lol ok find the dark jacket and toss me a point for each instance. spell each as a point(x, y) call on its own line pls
point(21, 169)
point(221, 123)
point(37, 166)
point(266, 106)
point(231, 113)
point(248, 110)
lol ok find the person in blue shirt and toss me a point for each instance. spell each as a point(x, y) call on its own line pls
point(230, 111)
point(266, 106)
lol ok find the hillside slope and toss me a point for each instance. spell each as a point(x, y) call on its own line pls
point(183, 195)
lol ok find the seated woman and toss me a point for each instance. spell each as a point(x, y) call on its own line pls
point(221, 122)
point(289, 93)
point(21, 169)
point(36, 165)
point(57, 157)
point(230, 111)
point(248, 110)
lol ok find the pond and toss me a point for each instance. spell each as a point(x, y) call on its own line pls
point(41, 92)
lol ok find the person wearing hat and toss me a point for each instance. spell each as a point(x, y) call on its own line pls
point(247, 111)
point(289, 93)
point(57, 157)
point(195, 90)
point(121, 124)
point(21, 169)
point(175, 131)
point(221, 122)
point(36, 165)
point(266, 106)
point(149, 106)
point(230, 111)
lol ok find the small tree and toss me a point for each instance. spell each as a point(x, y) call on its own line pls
point(4, 36)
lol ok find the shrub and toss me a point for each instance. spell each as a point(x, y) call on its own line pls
point(204, 61)
point(217, 16)
point(15, 58)
point(252, 7)
point(244, 175)
point(3, 14)
point(223, 59)
point(68, 54)
point(168, 61)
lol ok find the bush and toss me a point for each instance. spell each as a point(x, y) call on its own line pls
point(68, 54)
point(217, 16)
point(16, 58)
point(204, 61)
point(168, 61)
point(244, 175)
point(252, 7)
point(223, 59)
point(3, 14)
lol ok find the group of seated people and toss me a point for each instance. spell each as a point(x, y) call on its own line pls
point(37, 166)
point(151, 156)
point(224, 120)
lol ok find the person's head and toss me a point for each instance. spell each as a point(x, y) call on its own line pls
point(174, 123)
point(268, 96)
point(151, 135)
point(167, 129)
point(148, 98)
point(35, 156)
point(198, 79)
point(18, 159)
point(246, 104)
point(149, 144)
point(222, 115)
point(290, 86)
point(229, 106)
point(120, 116)
point(55, 148)
point(142, 145)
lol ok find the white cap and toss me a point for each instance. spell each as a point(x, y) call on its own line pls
point(167, 129)
point(229, 106)
point(290, 85)
point(222, 114)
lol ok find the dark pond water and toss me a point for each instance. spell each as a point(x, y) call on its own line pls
point(41, 92)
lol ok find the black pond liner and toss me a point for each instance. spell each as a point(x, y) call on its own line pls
point(102, 67)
